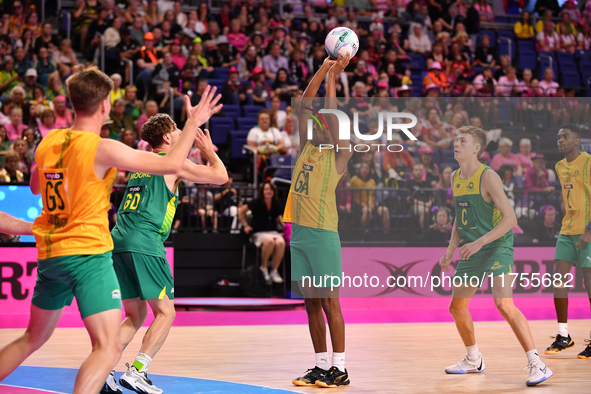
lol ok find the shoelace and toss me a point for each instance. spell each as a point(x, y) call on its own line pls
point(531, 366)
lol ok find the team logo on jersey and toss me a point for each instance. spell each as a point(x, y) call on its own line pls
point(470, 185)
point(576, 173)
point(457, 186)
point(496, 266)
point(308, 167)
point(116, 294)
point(464, 204)
point(568, 186)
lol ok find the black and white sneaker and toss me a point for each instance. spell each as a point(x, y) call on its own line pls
point(138, 382)
point(310, 378)
point(110, 386)
point(334, 378)
point(587, 352)
point(560, 344)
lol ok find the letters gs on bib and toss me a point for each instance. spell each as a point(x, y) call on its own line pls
point(56, 194)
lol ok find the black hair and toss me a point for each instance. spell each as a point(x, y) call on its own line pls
point(572, 127)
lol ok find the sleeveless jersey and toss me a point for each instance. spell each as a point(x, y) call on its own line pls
point(312, 200)
point(76, 202)
point(145, 216)
point(474, 215)
point(576, 193)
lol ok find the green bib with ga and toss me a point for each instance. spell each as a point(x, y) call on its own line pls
point(474, 215)
point(145, 216)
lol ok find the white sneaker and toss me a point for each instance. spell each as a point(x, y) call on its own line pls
point(467, 366)
point(538, 372)
point(265, 272)
point(138, 382)
point(110, 386)
point(275, 277)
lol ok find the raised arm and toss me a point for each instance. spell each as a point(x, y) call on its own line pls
point(13, 226)
point(215, 174)
point(111, 153)
point(308, 96)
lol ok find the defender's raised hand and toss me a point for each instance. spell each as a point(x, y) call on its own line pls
point(206, 108)
point(340, 64)
point(203, 140)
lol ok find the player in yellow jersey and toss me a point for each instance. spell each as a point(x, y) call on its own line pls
point(74, 174)
point(13, 226)
point(572, 247)
point(315, 244)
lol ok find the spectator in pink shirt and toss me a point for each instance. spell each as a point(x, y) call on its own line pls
point(178, 58)
point(15, 128)
point(525, 154)
point(236, 38)
point(47, 122)
point(509, 85)
point(536, 177)
point(63, 116)
point(548, 84)
point(151, 110)
point(506, 157)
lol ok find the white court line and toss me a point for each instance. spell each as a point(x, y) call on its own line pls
point(31, 388)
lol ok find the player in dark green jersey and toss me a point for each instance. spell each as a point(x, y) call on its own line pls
point(144, 222)
point(484, 222)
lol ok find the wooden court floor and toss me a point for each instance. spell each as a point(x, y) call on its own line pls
point(381, 358)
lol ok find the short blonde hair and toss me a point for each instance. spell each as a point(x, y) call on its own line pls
point(87, 89)
point(525, 141)
point(477, 134)
point(505, 141)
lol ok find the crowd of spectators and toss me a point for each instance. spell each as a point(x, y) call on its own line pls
point(259, 56)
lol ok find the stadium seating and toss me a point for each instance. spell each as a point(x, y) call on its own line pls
point(219, 128)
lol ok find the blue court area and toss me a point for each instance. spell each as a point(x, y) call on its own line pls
point(61, 380)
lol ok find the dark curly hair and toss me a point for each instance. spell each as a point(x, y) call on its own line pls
point(155, 128)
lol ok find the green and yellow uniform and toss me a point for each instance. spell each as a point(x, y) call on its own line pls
point(576, 194)
point(144, 221)
point(312, 210)
point(475, 217)
point(72, 232)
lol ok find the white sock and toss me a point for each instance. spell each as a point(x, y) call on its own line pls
point(338, 360)
point(265, 270)
point(142, 362)
point(532, 356)
point(563, 329)
point(472, 352)
point(322, 360)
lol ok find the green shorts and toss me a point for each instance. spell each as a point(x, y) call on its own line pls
point(315, 254)
point(89, 278)
point(143, 276)
point(566, 249)
point(498, 261)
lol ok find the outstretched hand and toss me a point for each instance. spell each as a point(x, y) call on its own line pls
point(206, 108)
point(340, 64)
point(203, 140)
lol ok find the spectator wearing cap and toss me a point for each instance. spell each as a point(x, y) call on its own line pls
point(46, 39)
point(234, 91)
point(274, 61)
point(261, 91)
point(224, 55)
point(8, 77)
point(63, 116)
point(536, 177)
point(146, 60)
point(43, 66)
point(417, 41)
point(65, 58)
point(248, 62)
point(31, 83)
point(505, 156)
point(165, 75)
point(198, 59)
point(437, 77)
point(177, 56)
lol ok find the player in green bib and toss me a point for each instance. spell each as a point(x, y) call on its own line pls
point(144, 221)
point(484, 222)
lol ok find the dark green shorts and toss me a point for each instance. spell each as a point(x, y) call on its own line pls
point(89, 278)
point(143, 276)
point(498, 261)
point(566, 249)
point(315, 254)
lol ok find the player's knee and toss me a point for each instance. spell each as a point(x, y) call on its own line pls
point(167, 313)
point(455, 309)
point(36, 340)
point(313, 305)
point(505, 306)
point(279, 242)
point(330, 305)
